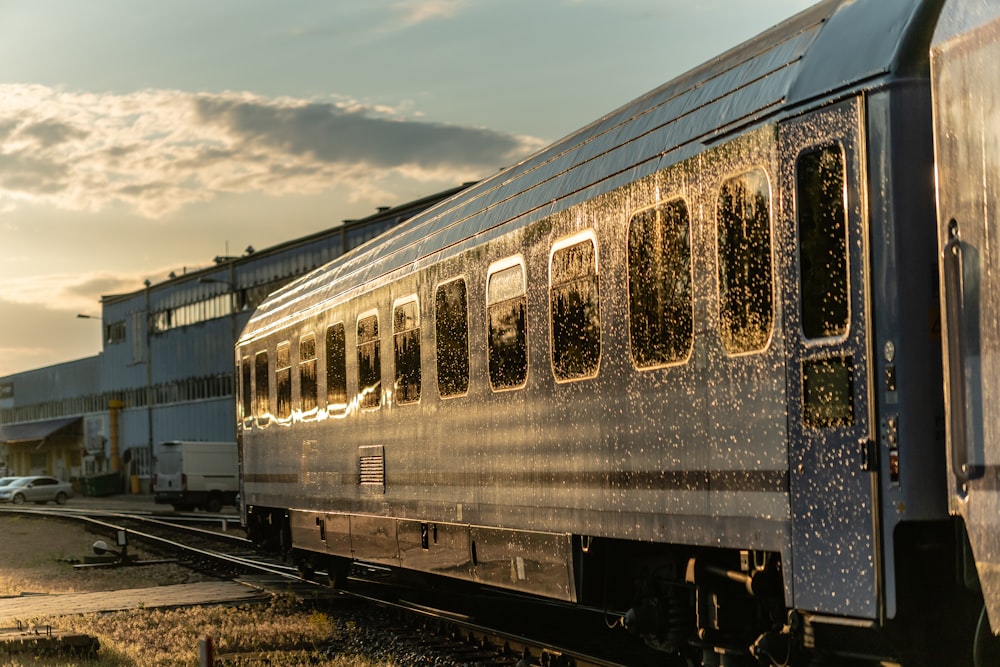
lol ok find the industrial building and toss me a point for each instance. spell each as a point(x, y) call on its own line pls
point(166, 367)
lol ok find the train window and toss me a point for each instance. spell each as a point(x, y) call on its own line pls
point(828, 392)
point(369, 363)
point(307, 372)
point(744, 246)
point(506, 304)
point(661, 309)
point(246, 395)
point(451, 335)
point(283, 377)
point(262, 380)
point(574, 310)
point(336, 368)
point(406, 347)
point(822, 219)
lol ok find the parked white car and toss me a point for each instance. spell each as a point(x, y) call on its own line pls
point(37, 489)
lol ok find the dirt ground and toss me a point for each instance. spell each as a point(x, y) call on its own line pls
point(37, 556)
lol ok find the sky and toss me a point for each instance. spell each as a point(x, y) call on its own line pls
point(139, 138)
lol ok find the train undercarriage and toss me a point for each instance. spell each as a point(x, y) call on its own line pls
point(726, 607)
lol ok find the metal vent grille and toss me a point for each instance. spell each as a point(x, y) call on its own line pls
point(371, 468)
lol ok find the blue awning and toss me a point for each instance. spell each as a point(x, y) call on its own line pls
point(34, 431)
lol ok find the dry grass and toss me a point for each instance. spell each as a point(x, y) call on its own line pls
point(37, 557)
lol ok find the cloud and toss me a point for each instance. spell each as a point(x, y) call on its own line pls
point(413, 12)
point(156, 151)
point(49, 133)
point(335, 134)
point(68, 293)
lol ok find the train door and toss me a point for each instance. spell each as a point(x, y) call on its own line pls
point(965, 73)
point(831, 478)
point(742, 366)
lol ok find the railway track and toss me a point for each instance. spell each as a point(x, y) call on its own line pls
point(404, 621)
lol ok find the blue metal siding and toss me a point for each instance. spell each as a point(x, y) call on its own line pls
point(54, 383)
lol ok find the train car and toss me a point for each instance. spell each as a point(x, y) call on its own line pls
point(721, 362)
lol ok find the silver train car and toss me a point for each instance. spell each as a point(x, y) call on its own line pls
point(724, 361)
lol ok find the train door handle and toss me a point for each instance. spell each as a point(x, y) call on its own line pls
point(954, 287)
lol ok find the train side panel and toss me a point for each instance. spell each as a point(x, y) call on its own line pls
point(966, 85)
point(689, 356)
point(689, 451)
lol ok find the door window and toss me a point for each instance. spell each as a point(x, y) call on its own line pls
point(746, 310)
point(575, 314)
point(307, 372)
point(406, 348)
point(506, 304)
point(660, 305)
point(369, 362)
point(336, 369)
point(822, 232)
point(451, 336)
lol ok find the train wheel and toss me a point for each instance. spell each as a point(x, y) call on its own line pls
point(986, 649)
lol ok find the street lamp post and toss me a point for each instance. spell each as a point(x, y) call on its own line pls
point(149, 381)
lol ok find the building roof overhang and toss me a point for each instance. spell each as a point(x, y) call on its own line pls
point(13, 434)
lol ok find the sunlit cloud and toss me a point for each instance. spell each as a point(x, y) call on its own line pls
point(156, 151)
point(413, 12)
point(70, 292)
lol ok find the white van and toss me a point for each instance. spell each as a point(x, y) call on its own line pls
point(190, 474)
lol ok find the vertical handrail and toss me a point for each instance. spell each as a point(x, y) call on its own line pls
point(954, 292)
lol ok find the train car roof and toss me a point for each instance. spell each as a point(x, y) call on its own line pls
point(822, 53)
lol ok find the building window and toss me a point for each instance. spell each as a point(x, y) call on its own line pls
point(336, 369)
point(506, 305)
point(307, 372)
point(369, 363)
point(283, 376)
point(406, 347)
point(200, 310)
point(114, 333)
point(744, 256)
point(574, 307)
point(262, 379)
point(451, 337)
point(821, 205)
point(661, 322)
